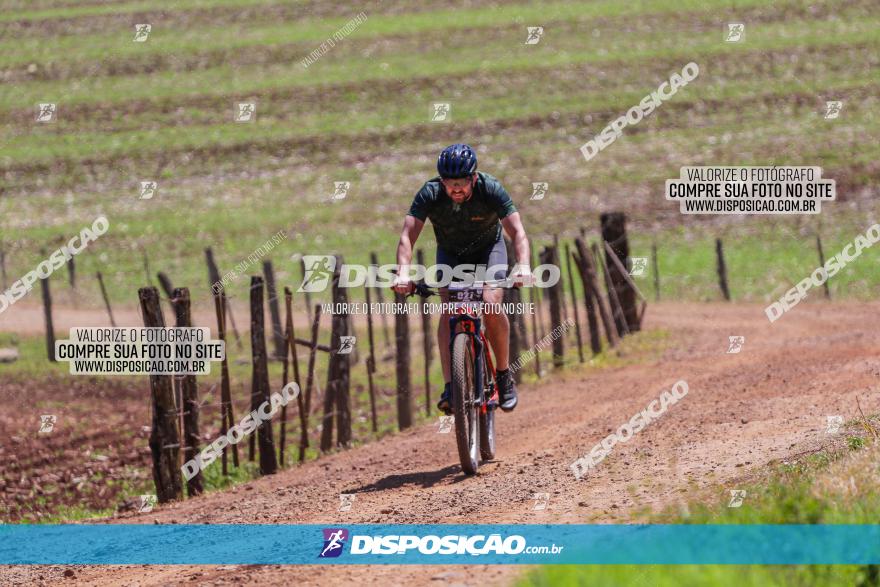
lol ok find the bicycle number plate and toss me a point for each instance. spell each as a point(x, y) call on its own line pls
point(465, 297)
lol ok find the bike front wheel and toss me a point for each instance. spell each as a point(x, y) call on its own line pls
point(464, 402)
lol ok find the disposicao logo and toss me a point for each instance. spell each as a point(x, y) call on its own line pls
point(334, 541)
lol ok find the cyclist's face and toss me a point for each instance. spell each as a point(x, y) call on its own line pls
point(459, 189)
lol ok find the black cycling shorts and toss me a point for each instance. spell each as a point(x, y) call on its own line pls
point(494, 254)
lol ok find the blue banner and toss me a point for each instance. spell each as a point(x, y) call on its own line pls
point(439, 544)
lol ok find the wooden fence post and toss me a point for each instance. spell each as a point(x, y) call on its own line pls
point(822, 264)
point(338, 397)
point(401, 337)
point(3, 268)
point(308, 295)
point(561, 281)
point(374, 260)
point(313, 351)
point(371, 360)
point(168, 288)
point(617, 315)
point(574, 304)
point(282, 434)
point(106, 298)
point(614, 233)
point(260, 379)
point(216, 284)
point(590, 304)
point(427, 345)
point(149, 281)
point(226, 416)
point(190, 396)
point(629, 280)
point(47, 315)
point(274, 312)
point(300, 399)
point(591, 280)
point(164, 434)
point(549, 256)
point(656, 272)
point(722, 269)
point(330, 389)
point(71, 273)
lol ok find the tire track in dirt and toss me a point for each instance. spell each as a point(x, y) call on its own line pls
point(743, 411)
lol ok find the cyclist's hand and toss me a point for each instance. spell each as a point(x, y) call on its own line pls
point(522, 275)
point(402, 285)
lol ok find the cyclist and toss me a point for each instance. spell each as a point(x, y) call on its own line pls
point(468, 209)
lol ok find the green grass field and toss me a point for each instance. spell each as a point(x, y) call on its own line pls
point(162, 110)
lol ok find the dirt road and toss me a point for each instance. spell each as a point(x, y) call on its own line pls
point(743, 411)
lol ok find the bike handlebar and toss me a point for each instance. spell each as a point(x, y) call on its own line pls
point(425, 291)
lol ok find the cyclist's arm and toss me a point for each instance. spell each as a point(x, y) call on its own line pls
point(412, 227)
point(514, 228)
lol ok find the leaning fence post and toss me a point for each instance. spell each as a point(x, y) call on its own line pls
point(3, 268)
point(300, 400)
point(190, 396)
point(614, 233)
point(146, 266)
point(822, 264)
point(617, 314)
point(574, 305)
point(226, 416)
point(308, 295)
point(217, 284)
point(106, 298)
point(629, 280)
point(591, 270)
point(47, 315)
point(313, 351)
point(656, 272)
point(167, 287)
point(274, 312)
point(722, 269)
point(164, 434)
point(260, 379)
point(401, 337)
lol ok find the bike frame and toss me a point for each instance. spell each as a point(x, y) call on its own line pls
point(464, 323)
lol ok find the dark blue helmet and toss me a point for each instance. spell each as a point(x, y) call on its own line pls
point(457, 160)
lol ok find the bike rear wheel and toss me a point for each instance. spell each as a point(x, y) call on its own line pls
point(487, 420)
point(464, 402)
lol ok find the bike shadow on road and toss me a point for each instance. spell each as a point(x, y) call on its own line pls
point(423, 479)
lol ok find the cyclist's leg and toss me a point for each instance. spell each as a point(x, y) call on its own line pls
point(497, 324)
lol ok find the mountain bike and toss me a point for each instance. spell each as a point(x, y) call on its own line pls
point(474, 392)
